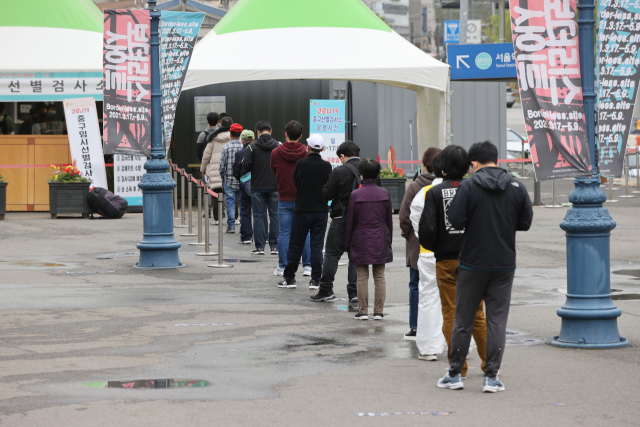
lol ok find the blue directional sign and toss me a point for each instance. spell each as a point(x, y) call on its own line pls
point(451, 32)
point(482, 61)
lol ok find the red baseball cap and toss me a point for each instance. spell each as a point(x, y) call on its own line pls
point(236, 128)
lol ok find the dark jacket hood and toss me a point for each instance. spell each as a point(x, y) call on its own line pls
point(291, 152)
point(425, 179)
point(266, 142)
point(492, 179)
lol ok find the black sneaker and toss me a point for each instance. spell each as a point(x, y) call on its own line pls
point(257, 251)
point(231, 230)
point(274, 251)
point(353, 297)
point(287, 284)
point(411, 335)
point(361, 317)
point(378, 316)
point(322, 296)
point(313, 284)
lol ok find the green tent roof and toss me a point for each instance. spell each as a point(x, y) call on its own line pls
point(268, 14)
point(72, 14)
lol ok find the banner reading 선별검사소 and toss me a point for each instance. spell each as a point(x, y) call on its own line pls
point(178, 31)
point(545, 38)
point(127, 86)
point(617, 75)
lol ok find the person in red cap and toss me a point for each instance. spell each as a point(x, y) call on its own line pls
point(230, 184)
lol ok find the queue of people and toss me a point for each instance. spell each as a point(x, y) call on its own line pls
point(460, 233)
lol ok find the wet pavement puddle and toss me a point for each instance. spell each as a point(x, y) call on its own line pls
point(386, 414)
point(207, 324)
point(625, 297)
point(92, 272)
point(118, 255)
point(633, 273)
point(151, 384)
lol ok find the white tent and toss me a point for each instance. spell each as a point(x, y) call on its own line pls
point(331, 40)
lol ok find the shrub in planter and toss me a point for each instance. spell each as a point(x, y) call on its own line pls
point(394, 182)
point(68, 191)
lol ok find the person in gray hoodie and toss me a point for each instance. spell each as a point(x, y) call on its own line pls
point(264, 189)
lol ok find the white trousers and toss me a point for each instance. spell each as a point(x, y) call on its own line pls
point(429, 337)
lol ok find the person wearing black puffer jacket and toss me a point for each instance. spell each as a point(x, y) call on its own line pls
point(264, 189)
point(490, 206)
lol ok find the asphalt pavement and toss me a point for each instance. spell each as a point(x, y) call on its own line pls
point(74, 311)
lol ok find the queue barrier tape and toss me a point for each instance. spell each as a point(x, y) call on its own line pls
point(29, 166)
point(212, 193)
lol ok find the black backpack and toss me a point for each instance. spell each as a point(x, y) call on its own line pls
point(107, 204)
point(357, 183)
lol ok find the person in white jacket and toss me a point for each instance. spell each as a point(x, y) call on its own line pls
point(429, 337)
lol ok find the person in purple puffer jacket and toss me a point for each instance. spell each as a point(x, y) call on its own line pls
point(368, 236)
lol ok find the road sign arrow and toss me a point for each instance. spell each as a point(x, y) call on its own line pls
point(459, 59)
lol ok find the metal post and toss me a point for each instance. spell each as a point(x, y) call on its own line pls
point(610, 199)
point(536, 194)
point(158, 248)
point(522, 159)
point(501, 11)
point(626, 178)
point(207, 200)
point(175, 193)
point(220, 236)
point(199, 188)
point(183, 217)
point(190, 219)
point(553, 196)
point(464, 14)
point(637, 172)
point(589, 317)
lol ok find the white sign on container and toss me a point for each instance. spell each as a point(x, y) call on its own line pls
point(84, 139)
point(204, 105)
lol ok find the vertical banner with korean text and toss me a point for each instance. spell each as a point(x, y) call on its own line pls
point(327, 119)
point(617, 76)
point(84, 139)
point(178, 32)
point(545, 38)
point(127, 82)
point(127, 173)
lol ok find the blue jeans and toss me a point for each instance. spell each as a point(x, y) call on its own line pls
point(285, 217)
point(414, 280)
point(230, 195)
point(261, 201)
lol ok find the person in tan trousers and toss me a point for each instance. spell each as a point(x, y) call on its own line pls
point(437, 234)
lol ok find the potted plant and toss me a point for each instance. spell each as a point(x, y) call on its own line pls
point(3, 197)
point(68, 191)
point(394, 182)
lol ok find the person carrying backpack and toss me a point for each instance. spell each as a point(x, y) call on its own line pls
point(342, 181)
point(201, 143)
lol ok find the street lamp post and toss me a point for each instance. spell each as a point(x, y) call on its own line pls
point(158, 248)
point(589, 317)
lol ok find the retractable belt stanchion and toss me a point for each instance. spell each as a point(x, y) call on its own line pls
point(190, 219)
point(220, 235)
point(199, 188)
point(207, 201)
point(175, 193)
point(626, 178)
point(637, 172)
point(182, 215)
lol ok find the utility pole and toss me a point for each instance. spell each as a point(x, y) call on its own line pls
point(464, 14)
point(501, 11)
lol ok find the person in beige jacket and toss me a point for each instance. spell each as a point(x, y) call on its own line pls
point(211, 158)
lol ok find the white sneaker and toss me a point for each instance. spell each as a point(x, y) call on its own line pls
point(279, 272)
point(307, 271)
point(215, 222)
point(428, 357)
point(237, 222)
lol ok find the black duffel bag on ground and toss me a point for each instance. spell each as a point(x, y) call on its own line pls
point(107, 204)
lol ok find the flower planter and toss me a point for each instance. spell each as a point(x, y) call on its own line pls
point(68, 198)
point(3, 199)
point(395, 187)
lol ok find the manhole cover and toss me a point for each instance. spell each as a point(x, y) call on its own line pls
point(175, 383)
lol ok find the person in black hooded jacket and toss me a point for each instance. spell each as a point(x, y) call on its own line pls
point(490, 206)
point(264, 189)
